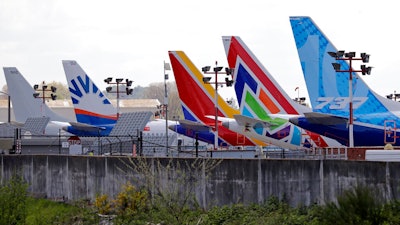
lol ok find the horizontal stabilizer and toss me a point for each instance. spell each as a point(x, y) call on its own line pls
point(251, 122)
point(17, 124)
point(196, 126)
point(86, 127)
point(220, 119)
point(324, 119)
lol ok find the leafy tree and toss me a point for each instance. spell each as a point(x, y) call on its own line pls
point(62, 91)
point(4, 90)
point(138, 92)
point(157, 91)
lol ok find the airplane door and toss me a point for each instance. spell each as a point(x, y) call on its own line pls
point(390, 132)
point(240, 139)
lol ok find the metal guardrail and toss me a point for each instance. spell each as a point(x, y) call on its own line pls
point(327, 153)
point(138, 146)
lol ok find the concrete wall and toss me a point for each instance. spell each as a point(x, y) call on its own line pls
point(232, 181)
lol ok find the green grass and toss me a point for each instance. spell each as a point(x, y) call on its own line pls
point(44, 211)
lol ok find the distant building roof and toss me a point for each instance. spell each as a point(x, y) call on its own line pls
point(131, 103)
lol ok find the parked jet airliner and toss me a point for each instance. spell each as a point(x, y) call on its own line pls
point(264, 105)
point(93, 108)
point(375, 118)
point(26, 106)
point(197, 99)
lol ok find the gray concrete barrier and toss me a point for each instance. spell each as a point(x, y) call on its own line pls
point(300, 182)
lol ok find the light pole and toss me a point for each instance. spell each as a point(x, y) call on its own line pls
point(217, 70)
point(42, 90)
point(166, 67)
point(393, 96)
point(118, 81)
point(350, 56)
point(300, 100)
point(8, 106)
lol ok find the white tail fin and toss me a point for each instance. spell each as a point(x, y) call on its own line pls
point(90, 104)
point(23, 103)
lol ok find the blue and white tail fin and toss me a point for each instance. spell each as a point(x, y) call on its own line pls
point(329, 91)
point(91, 106)
point(23, 103)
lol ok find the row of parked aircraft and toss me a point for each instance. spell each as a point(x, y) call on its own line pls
point(95, 115)
point(266, 114)
point(265, 110)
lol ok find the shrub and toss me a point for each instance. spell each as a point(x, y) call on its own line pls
point(13, 197)
point(103, 204)
point(357, 206)
point(130, 205)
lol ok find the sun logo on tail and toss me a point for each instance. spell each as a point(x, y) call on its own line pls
point(84, 86)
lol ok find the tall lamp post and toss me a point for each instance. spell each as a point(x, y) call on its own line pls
point(166, 67)
point(40, 92)
point(217, 70)
point(393, 96)
point(8, 106)
point(300, 100)
point(350, 56)
point(118, 82)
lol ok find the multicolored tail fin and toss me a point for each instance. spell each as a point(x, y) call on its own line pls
point(90, 104)
point(327, 89)
point(198, 99)
point(23, 102)
point(260, 96)
point(254, 86)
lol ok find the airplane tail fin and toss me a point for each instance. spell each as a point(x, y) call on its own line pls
point(24, 104)
point(260, 96)
point(257, 91)
point(327, 89)
point(198, 99)
point(91, 106)
point(189, 81)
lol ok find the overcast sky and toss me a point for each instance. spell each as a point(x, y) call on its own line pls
point(130, 39)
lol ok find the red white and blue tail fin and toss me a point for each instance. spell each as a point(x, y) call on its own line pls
point(90, 104)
